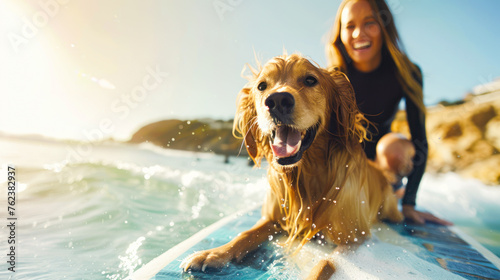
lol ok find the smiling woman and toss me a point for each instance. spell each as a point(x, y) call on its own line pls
point(361, 35)
point(365, 45)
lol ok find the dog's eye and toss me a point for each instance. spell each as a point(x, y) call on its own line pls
point(310, 81)
point(262, 86)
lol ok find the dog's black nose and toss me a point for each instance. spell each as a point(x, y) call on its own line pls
point(280, 105)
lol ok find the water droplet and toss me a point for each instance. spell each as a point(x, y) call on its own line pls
point(171, 223)
point(355, 240)
point(363, 233)
point(313, 225)
point(363, 202)
point(347, 165)
point(270, 237)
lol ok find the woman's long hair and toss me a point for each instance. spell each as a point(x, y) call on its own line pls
point(408, 74)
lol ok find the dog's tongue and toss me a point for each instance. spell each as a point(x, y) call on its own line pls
point(287, 142)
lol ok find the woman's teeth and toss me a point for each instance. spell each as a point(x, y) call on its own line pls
point(362, 45)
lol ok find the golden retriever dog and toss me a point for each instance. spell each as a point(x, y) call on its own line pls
point(305, 122)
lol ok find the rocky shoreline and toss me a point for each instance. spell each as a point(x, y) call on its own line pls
point(463, 138)
point(205, 135)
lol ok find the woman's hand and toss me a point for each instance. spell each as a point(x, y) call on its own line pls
point(421, 217)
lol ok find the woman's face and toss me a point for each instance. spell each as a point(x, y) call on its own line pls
point(361, 35)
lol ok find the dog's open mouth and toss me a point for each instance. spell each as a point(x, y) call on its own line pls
point(288, 144)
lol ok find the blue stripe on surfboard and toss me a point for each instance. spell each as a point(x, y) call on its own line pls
point(448, 250)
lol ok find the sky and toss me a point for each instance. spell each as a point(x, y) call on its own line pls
point(91, 70)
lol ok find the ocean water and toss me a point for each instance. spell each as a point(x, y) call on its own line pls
point(100, 211)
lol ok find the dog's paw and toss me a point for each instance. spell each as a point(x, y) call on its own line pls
point(206, 259)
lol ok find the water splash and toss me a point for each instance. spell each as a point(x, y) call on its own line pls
point(131, 260)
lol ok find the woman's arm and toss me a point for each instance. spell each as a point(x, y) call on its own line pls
point(416, 123)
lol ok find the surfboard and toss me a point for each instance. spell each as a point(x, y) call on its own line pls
point(395, 251)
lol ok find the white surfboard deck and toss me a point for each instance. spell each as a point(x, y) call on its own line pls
point(402, 251)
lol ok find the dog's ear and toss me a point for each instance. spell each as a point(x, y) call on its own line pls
point(346, 122)
point(244, 122)
point(251, 146)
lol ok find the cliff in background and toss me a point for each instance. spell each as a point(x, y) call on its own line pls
point(463, 137)
point(205, 135)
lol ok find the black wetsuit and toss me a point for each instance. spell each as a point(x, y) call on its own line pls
point(378, 94)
